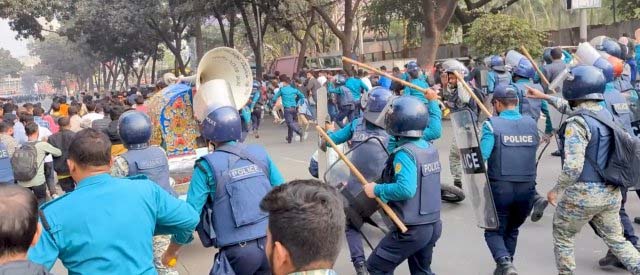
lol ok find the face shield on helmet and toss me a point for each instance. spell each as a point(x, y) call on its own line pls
point(375, 103)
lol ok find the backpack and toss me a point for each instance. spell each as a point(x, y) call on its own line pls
point(624, 158)
point(25, 162)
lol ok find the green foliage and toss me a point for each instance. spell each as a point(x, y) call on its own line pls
point(497, 33)
point(8, 64)
point(628, 9)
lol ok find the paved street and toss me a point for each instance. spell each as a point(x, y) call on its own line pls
point(461, 249)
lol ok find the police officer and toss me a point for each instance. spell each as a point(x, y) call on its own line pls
point(357, 88)
point(291, 97)
point(585, 195)
point(346, 101)
point(411, 186)
point(256, 106)
point(508, 143)
point(615, 103)
point(6, 171)
point(498, 74)
point(456, 99)
point(554, 64)
point(414, 76)
point(227, 186)
point(143, 159)
point(368, 156)
point(106, 224)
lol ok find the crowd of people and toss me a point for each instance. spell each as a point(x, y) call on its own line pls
point(97, 149)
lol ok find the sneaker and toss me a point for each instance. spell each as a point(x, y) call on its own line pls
point(610, 260)
point(361, 269)
point(504, 266)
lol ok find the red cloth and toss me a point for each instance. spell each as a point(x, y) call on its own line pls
point(53, 126)
point(141, 108)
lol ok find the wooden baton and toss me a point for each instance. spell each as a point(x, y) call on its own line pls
point(535, 66)
point(473, 95)
point(387, 210)
point(405, 83)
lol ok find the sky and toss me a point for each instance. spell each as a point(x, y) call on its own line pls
point(18, 48)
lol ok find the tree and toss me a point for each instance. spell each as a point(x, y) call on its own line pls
point(8, 64)
point(297, 18)
point(23, 15)
point(344, 34)
point(497, 33)
point(628, 9)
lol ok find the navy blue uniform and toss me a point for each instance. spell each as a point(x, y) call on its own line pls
point(509, 143)
point(412, 188)
point(6, 172)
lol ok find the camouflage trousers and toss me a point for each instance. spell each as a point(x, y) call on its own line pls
point(160, 244)
point(600, 204)
point(455, 166)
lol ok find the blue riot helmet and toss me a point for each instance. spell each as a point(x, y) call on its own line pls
point(222, 124)
point(134, 129)
point(584, 82)
point(608, 45)
point(340, 80)
point(407, 117)
point(413, 69)
point(377, 99)
point(497, 63)
point(520, 65)
point(256, 85)
point(606, 67)
point(546, 56)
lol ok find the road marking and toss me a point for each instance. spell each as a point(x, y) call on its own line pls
point(295, 160)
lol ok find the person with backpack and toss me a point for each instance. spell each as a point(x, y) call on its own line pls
point(226, 187)
point(28, 162)
point(61, 140)
point(588, 194)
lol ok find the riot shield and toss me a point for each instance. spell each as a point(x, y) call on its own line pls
point(474, 174)
point(322, 116)
point(369, 157)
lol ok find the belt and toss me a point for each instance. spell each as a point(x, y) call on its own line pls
point(243, 244)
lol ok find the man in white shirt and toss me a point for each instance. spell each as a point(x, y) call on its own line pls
point(365, 79)
point(88, 119)
point(322, 79)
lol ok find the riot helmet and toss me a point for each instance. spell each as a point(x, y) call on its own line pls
point(222, 125)
point(608, 45)
point(134, 129)
point(256, 85)
point(377, 99)
point(520, 65)
point(497, 63)
point(452, 65)
point(340, 79)
point(407, 117)
point(584, 82)
point(413, 69)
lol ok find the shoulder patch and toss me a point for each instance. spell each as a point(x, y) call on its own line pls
point(398, 168)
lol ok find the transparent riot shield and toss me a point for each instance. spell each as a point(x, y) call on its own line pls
point(474, 174)
point(370, 158)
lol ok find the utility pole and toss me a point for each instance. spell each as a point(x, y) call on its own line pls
point(583, 25)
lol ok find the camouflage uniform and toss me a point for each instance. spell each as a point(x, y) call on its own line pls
point(582, 202)
point(456, 99)
point(120, 169)
point(454, 162)
point(160, 244)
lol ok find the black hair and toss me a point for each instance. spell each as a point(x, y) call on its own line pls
point(306, 217)
point(38, 111)
point(90, 147)
point(64, 121)
point(55, 106)
point(5, 126)
point(31, 128)
point(91, 106)
point(116, 111)
point(25, 118)
point(73, 110)
point(556, 53)
point(139, 100)
point(19, 211)
point(507, 101)
point(8, 108)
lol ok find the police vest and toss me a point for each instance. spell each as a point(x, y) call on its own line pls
point(514, 151)
point(529, 106)
point(151, 162)
point(241, 174)
point(618, 106)
point(455, 103)
point(424, 207)
point(369, 153)
point(622, 85)
point(6, 172)
point(346, 97)
point(597, 149)
point(258, 104)
point(503, 78)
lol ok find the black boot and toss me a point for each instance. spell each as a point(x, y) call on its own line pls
point(457, 183)
point(636, 220)
point(556, 153)
point(538, 209)
point(361, 269)
point(504, 266)
point(610, 260)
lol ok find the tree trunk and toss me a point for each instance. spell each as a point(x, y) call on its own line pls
point(232, 30)
point(153, 66)
point(436, 18)
point(347, 48)
point(197, 30)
